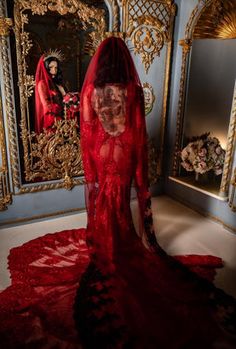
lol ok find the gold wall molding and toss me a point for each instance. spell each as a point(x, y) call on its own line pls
point(232, 203)
point(28, 189)
point(11, 132)
point(204, 10)
point(149, 26)
point(230, 148)
point(5, 194)
point(186, 46)
point(57, 154)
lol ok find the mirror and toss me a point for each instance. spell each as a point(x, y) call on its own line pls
point(53, 152)
point(205, 141)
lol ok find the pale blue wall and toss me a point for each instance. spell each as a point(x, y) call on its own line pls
point(43, 203)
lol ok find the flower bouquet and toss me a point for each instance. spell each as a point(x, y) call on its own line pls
point(71, 103)
point(202, 154)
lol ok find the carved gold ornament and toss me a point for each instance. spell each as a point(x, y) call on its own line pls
point(147, 36)
point(5, 26)
point(149, 97)
point(218, 20)
point(148, 26)
point(232, 200)
point(56, 154)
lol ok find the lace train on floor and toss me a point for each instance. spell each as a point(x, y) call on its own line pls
point(36, 311)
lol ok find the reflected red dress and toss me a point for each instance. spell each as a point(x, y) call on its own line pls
point(48, 99)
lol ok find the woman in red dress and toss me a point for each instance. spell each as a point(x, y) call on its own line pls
point(132, 296)
point(49, 92)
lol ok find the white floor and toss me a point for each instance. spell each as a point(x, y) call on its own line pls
point(179, 230)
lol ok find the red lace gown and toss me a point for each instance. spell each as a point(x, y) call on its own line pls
point(132, 297)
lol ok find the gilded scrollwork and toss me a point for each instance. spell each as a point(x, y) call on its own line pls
point(218, 20)
point(5, 26)
point(57, 154)
point(147, 39)
point(148, 27)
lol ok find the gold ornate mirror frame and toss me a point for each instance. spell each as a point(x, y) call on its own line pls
point(5, 194)
point(52, 152)
point(209, 19)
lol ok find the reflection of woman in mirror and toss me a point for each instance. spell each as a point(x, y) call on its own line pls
point(49, 91)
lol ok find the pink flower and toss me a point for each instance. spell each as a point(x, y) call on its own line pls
point(187, 166)
point(203, 165)
point(202, 152)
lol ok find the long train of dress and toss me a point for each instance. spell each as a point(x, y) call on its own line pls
point(145, 302)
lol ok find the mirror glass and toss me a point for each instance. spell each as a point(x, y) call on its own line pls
point(210, 88)
point(52, 152)
point(61, 33)
point(209, 96)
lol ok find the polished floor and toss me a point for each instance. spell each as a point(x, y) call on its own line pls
point(179, 230)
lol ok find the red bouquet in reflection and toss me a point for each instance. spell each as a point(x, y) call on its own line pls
point(71, 103)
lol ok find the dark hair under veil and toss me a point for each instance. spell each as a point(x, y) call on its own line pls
point(58, 79)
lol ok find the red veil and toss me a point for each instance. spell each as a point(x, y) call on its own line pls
point(113, 64)
point(47, 109)
point(41, 75)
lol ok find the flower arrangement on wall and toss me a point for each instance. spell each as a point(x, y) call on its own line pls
point(202, 154)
